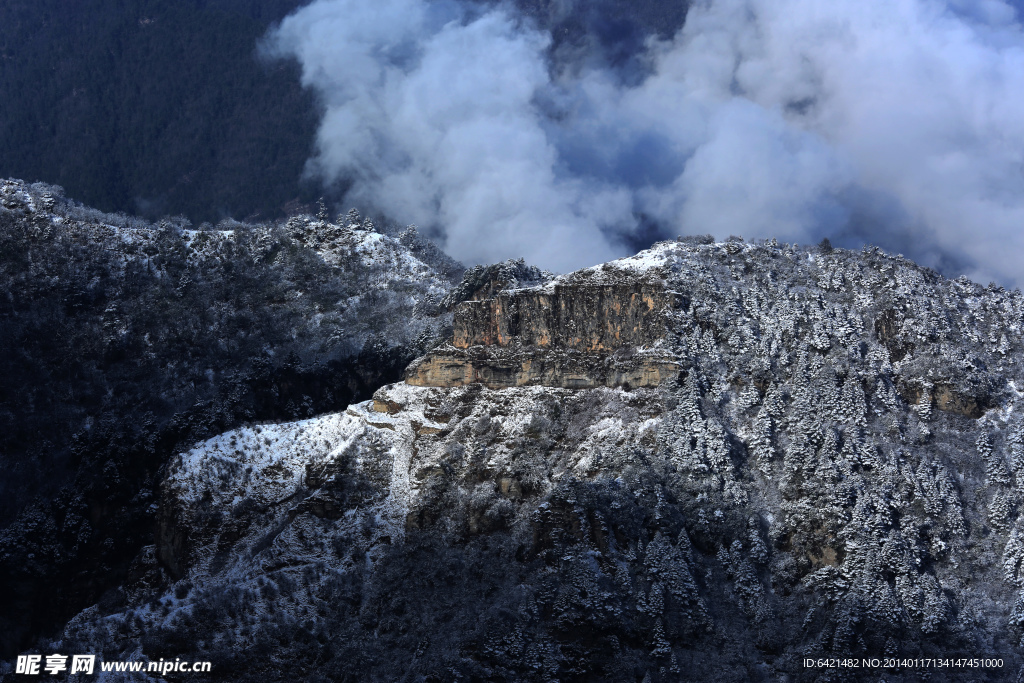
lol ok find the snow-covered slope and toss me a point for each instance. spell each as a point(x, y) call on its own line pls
point(835, 469)
point(124, 342)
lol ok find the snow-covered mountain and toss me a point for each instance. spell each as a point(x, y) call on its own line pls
point(124, 342)
point(706, 462)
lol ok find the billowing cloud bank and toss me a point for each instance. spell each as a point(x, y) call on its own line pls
point(899, 123)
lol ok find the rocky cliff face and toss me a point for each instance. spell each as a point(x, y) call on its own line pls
point(831, 465)
point(591, 316)
point(595, 328)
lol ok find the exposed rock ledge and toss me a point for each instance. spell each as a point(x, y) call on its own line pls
point(498, 368)
point(601, 327)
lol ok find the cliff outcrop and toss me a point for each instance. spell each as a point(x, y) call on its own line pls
point(598, 327)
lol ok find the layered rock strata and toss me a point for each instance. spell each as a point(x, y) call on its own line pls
point(600, 327)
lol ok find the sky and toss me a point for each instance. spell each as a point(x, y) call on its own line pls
point(896, 123)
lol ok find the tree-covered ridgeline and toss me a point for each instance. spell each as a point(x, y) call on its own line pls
point(122, 342)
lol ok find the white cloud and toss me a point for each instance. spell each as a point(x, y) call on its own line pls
point(899, 122)
point(447, 134)
point(919, 100)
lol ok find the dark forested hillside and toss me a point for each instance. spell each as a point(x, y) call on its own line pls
point(153, 107)
point(123, 341)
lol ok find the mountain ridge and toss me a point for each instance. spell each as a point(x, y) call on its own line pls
point(126, 341)
point(833, 471)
